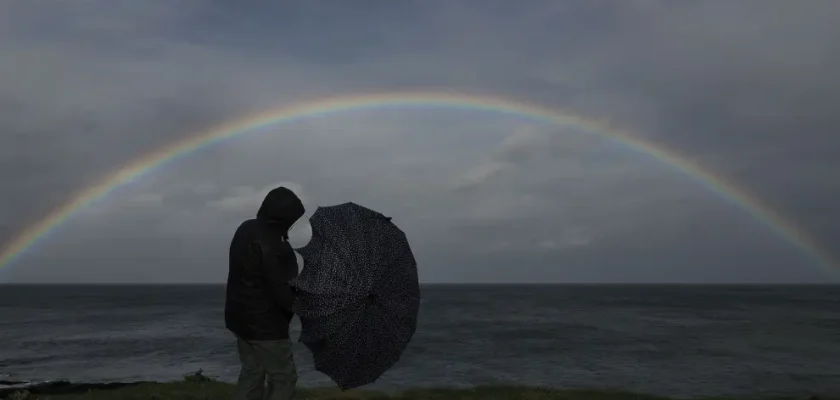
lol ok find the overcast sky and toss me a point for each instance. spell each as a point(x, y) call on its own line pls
point(747, 88)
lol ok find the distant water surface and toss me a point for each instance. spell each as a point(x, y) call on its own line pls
point(670, 340)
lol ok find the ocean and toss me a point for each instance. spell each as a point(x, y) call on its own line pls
point(668, 340)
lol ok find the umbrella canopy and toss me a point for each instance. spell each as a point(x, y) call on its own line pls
point(357, 295)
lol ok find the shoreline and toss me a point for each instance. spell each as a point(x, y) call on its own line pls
point(63, 386)
point(196, 386)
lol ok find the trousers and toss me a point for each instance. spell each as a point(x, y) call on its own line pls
point(268, 370)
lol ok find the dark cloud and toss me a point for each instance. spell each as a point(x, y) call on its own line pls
point(747, 89)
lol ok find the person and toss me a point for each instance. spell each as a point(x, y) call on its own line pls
point(259, 299)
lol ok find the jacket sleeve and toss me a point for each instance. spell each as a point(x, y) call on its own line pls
point(275, 277)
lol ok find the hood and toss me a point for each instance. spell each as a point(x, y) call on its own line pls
point(281, 207)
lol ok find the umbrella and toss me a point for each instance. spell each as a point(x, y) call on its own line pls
point(357, 294)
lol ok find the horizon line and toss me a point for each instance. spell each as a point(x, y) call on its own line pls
point(651, 283)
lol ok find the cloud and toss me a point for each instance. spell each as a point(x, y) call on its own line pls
point(745, 88)
point(527, 146)
point(515, 149)
point(248, 199)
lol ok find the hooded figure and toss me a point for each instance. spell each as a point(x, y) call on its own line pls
point(259, 299)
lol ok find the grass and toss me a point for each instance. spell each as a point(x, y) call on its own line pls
point(202, 388)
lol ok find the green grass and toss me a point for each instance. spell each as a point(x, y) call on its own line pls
point(201, 388)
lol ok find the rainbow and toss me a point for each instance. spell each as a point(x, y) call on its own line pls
point(147, 163)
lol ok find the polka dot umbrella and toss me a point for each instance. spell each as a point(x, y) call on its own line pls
point(357, 295)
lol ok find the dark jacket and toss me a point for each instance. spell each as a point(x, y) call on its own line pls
point(259, 299)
